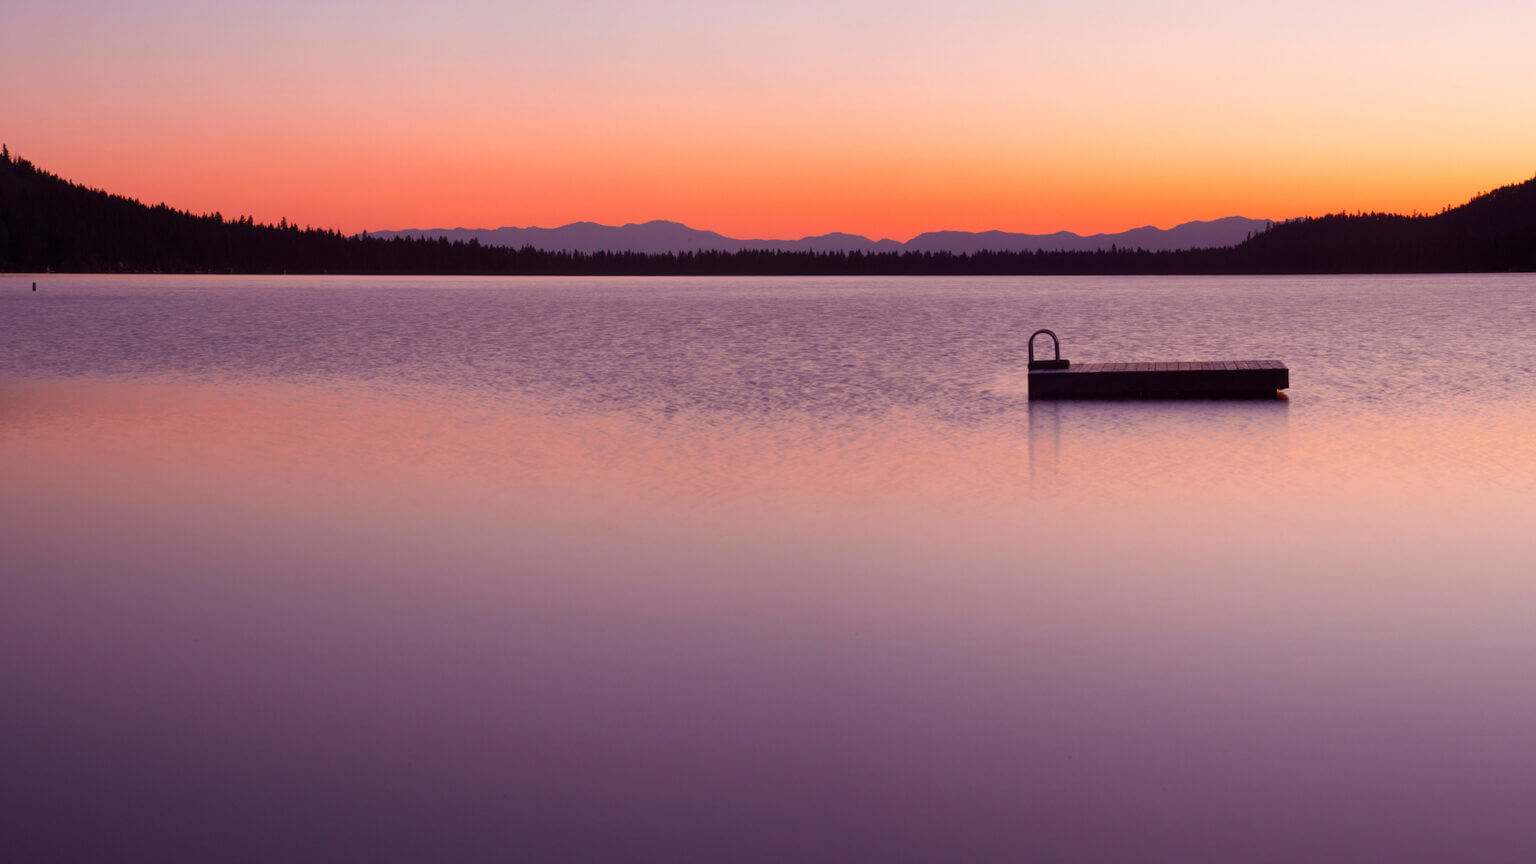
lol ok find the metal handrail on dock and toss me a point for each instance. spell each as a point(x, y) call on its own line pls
point(1057, 363)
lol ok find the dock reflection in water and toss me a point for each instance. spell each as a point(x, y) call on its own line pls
point(1180, 443)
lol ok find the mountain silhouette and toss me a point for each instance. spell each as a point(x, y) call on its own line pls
point(49, 223)
point(661, 236)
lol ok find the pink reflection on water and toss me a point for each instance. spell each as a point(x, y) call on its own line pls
point(318, 622)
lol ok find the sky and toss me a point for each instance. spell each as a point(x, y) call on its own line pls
point(777, 119)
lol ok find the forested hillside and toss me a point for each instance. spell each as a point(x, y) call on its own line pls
point(48, 223)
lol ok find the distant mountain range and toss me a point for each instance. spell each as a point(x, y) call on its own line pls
point(48, 223)
point(661, 236)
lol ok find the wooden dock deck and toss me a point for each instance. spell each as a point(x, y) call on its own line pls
point(1182, 378)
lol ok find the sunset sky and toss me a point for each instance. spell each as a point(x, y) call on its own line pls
point(775, 119)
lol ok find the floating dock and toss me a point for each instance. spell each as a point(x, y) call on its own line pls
point(1061, 379)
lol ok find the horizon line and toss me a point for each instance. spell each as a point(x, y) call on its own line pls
point(16, 157)
point(836, 233)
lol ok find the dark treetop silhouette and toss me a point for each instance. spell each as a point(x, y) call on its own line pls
point(47, 223)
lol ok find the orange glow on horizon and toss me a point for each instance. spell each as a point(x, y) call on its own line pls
point(776, 123)
point(377, 194)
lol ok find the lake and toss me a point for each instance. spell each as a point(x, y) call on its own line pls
point(359, 568)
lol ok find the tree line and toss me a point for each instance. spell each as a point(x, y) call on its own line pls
point(48, 223)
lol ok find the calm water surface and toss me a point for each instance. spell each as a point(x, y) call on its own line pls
point(762, 570)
